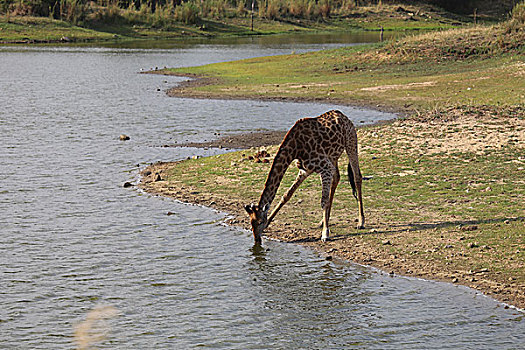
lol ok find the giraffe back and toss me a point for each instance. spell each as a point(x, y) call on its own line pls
point(313, 140)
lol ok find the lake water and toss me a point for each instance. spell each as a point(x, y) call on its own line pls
point(73, 239)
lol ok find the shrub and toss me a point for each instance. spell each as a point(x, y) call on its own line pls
point(516, 21)
point(186, 12)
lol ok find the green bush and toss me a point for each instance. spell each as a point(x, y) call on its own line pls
point(187, 13)
point(516, 22)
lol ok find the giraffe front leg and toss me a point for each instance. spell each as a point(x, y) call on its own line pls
point(298, 181)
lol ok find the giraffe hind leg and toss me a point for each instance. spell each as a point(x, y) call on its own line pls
point(356, 180)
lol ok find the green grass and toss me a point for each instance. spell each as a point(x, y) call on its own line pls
point(477, 66)
point(40, 29)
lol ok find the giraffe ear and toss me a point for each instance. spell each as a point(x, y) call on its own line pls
point(248, 208)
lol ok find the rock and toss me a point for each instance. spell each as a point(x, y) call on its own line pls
point(123, 137)
point(386, 242)
point(170, 213)
point(146, 173)
point(473, 245)
point(157, 177)
point(127, 184)
point(328, 257)
point(455, 280)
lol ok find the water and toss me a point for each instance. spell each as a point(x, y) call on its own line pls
point(72, 238)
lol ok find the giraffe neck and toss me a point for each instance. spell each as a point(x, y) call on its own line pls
point(281, 162)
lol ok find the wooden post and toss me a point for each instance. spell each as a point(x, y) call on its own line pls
point(475, 16)
point(381, 34)
point(253, 5)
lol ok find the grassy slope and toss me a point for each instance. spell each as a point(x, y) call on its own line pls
point(20, 29)
point(474, 66)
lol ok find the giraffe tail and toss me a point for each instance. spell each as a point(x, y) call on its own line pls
point(351, 179)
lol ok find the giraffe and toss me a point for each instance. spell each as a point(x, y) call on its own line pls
point(316, 143)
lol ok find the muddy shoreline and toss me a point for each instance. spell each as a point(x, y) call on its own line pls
point(350, 248)
point(185, 89)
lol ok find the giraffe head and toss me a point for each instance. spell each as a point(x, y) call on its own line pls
point(258, 219)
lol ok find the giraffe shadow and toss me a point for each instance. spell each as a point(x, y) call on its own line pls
point(412, 227)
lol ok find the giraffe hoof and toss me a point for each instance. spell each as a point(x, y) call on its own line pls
point(325, 235)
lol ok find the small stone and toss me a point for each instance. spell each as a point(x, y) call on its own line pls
point(473, 245)
point(127, 184)
point(448, 246)
point(147, 173)
point(455, 280)
point(123, 137)
point(328, 257)
point(506, 222)
point(195, 157)
point(386, 242)
point(170, 213)
point(157, 177)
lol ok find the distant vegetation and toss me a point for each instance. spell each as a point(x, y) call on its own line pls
point(160, 13)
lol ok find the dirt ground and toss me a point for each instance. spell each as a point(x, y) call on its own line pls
point(352, 247)
point(240, 141)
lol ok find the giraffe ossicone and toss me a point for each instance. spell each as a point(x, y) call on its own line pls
point(317, 144)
